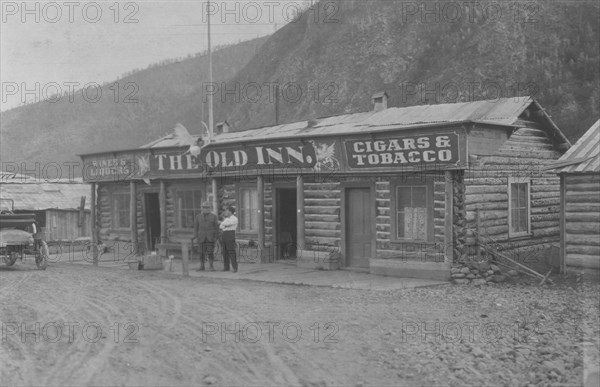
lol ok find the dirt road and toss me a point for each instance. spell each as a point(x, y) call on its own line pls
point(80, 325)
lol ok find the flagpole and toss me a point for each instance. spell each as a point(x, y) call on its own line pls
point(210, 80)
point(214, 191)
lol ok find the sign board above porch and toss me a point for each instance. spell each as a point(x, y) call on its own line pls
point(380, 152)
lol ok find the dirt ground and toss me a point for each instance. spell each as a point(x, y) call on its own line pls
point(81, 325)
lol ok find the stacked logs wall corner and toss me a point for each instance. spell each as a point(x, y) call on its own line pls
point(582, 220)
point(460, 221)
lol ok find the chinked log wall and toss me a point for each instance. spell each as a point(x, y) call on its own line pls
point(323, 228)
point(524, 154)
point(582, 220)
point(419, 251)
point(112, 236)
point(322, 213)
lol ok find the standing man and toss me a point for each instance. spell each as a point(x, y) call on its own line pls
point(206, 229)
point(228, 226)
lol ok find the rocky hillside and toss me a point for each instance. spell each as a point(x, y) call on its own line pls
point(332, 61)
point(545, 49)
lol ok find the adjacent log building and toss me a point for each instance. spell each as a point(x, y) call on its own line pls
point(579, 171)
point(396, 191)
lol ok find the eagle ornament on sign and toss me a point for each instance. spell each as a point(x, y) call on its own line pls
point(326, 157)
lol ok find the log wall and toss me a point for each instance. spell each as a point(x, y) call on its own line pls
point(387, 247)
point(582, 220)
point(525, 155)
point(110, 235)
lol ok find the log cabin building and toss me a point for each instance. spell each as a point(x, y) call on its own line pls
point(395, 191)
point(579, 171)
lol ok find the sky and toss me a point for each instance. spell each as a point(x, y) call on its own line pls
point(49, 46)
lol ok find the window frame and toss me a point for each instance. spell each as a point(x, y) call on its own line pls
point(113, 209)
point(178, 218)
point(519, 180)
point(412, 182)
point(238, 196)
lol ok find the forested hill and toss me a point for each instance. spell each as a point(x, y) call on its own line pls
point(546, 49)
point(332, 61)
point(134, 110)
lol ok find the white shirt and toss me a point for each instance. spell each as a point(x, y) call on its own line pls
point(229, 224)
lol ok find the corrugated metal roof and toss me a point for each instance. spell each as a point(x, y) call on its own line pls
point(36, 195)
point(584, 156)
point(503, 111)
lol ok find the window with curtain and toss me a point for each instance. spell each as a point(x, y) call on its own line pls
point(120, 210)
point(188, 204)
point(247, 210)
point(518, 197)
point(411, 212)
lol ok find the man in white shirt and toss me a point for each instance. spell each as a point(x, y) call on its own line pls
point(228, 226)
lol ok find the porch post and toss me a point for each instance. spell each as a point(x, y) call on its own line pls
point(260, 193)
point(94, 228)
point(448, 234)
point(300, 212)
point(162, 198)
point(214, 195)
point(133, 216)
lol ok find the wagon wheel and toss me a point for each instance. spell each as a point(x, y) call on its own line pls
point(41, 257)
point(10, 259)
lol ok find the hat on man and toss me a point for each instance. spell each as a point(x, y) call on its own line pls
point(206, 205)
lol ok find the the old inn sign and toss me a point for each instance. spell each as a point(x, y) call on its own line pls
point(389, 153)
point(152, 163)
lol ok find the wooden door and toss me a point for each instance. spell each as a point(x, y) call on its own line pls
point(359, 227)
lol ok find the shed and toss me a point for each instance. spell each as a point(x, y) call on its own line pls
point(56, 204)
point(579, 171)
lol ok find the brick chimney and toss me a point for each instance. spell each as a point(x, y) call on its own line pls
point(380, 101)
point(222, 127)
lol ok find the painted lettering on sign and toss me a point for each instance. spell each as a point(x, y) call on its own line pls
point(230, 159)
point(389, 152)
point(108, 169)
point(302, 156)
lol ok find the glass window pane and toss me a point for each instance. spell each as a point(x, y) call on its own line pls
point(401, 233)
point(514, 221)
point(514, 193)
point(121, 210)
point(523, 219)
point(419, 197)
point(411, 212)
point(420, 223)
point(403, 197)
point(519, 205)
point(247, 209)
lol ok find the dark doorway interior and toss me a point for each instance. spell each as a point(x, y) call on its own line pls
point(152, 211)
point(286, 223)
point(359, 227)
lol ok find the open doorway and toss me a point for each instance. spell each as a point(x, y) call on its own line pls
point(286, 232)
point(152, 211)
